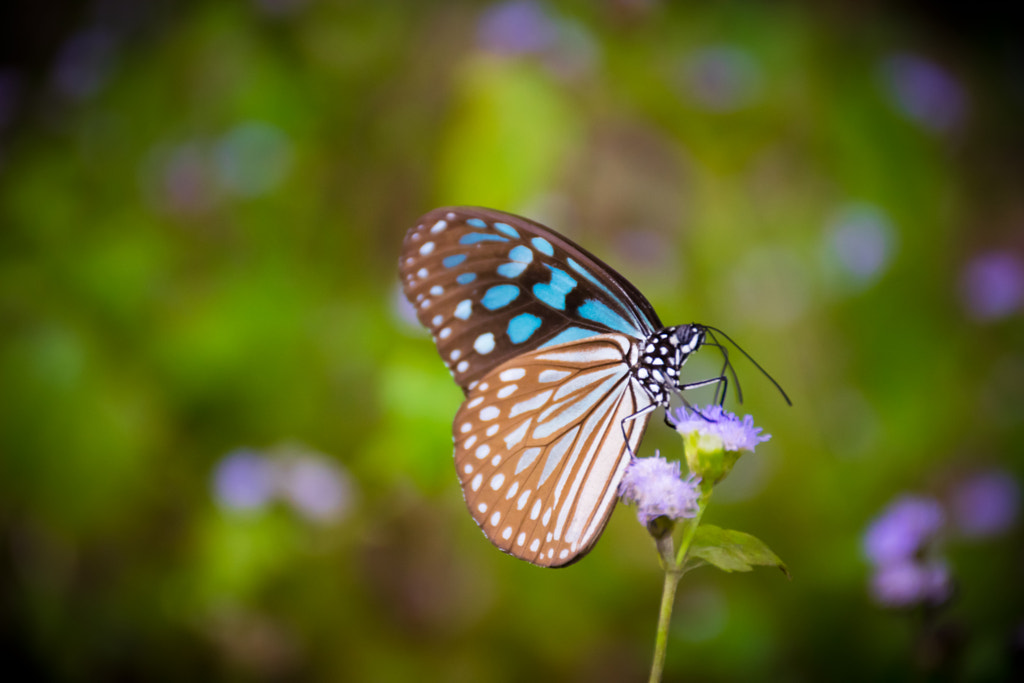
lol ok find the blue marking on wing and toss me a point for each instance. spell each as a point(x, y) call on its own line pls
point(553, 293)
point(474, 237)
point(476, 223)
point(592, 309)
point(522, 327)
point(569, 334)
point(453, 260)
point(513, 269)
point(521, 254)
point(543, 246)
point(521, 257)
point(593, 280)
point(589, 276)
point(498, 296)
point(506, 229)
point(465, 278)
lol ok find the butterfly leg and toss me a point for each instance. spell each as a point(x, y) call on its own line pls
point(622, 425)
point(721, 381)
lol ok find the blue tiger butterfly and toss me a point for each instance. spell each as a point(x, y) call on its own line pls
point(562, 362)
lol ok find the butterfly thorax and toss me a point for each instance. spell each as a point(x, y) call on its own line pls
point(662, 356)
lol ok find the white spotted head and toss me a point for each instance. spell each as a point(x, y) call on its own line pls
point(662, 355)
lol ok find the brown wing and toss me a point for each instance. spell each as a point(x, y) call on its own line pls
point(539, 446)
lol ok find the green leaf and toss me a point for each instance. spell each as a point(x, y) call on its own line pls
point(732, 551)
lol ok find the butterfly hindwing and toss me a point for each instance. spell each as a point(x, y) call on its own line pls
point(491, 286)
point(539, 446)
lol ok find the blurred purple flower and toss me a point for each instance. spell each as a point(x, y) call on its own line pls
point(903, 530)
point(316, 487)
point(736, 434)
point(516, 28)
point(722, 77)
point(861, 241)
point(993, 285)
point(903, 584)
point(656, 487)
point(244, 480)
point(83, 63)
point(985, 504)
point(924, 92)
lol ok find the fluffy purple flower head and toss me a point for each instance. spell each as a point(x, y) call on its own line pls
point(908, 583)
point(736, 434)
point(903, 530)
point(658, 490)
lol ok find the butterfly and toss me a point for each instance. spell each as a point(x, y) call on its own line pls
point(562, 362)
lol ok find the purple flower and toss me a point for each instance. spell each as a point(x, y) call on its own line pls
point(713, 420)
point(516, 28)
point(861, 241)
point(903, 530)
point(315, 486)
point(723, 78)
point(656, 487)
point(84, 63)
point(985, 504)
point(244, 480)
point(903, 584)
point(993, 285)
point(924, 92)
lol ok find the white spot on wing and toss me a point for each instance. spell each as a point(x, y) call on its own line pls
point(426, 248)
point(477, 480)
point(512, 374)
point(527, 458)
point(438, 227)
point(489, 413)
point(507, 390)
point(516, 435)
point(556, 453)
point(497, 481)
point(484, 344)
point(529, 404)
point(552, 375)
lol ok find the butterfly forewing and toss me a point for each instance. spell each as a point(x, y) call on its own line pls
point(539, 446)
point(491, 286)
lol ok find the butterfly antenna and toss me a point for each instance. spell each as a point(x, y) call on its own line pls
point(727, 365)
point(750, 358)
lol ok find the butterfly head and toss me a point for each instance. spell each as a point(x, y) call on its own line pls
point(662, 356)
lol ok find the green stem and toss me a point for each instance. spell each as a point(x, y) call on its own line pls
point(668, 599)
point(690, 527)
point(673, 573)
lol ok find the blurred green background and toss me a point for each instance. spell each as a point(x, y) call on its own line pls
point(225, 446)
